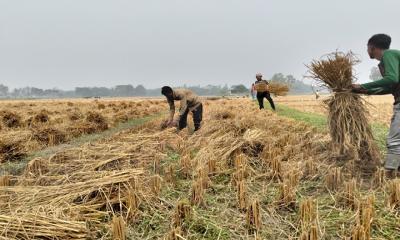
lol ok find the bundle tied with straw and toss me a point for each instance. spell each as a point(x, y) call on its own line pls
point(347, 118)
point(278, 89)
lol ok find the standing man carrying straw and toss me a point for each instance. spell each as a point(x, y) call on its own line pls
point(261, 87)
point(378, 48)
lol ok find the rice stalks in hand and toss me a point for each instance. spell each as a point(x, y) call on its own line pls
point(394, 193)
point(334, 179)
point(347, 119)
point(118, 228)
point(253, 217)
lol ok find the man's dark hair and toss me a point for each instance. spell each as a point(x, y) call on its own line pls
point(166, 91)
point(381, 41)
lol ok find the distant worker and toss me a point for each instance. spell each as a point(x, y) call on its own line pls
point(189, 103)
point(262, 88)
point(378, 48)
point(316, 92)
point(253, 91)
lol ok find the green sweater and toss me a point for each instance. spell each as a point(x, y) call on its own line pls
point(391, 78)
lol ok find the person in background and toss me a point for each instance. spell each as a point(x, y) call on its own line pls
point(253, 91)
point(189, 102)
point(262, 92)
point(389, 66)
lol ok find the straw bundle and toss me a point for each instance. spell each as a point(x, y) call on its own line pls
point(10, 119)
point(48, 136)
point(37, 226)
point(11, 150)
point(97, 120)
point(347, 119)
point(278, 89)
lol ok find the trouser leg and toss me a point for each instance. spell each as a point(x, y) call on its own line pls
point(260, 98)
point(197, 117)
point(183, 120)
point(393, 141)
point(271, 102)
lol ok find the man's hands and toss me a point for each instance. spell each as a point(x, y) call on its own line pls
point(357, 88)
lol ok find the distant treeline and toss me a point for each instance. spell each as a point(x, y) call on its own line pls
point(296, 87)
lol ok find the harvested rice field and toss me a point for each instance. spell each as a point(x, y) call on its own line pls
point(246, 174)
point(29, 126)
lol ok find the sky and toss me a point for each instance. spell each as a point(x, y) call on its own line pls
point(74, 43)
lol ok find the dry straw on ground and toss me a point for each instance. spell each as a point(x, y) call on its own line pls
point(347, 118)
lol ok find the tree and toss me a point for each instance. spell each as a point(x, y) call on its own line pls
point(140, 90)
point(124, 90)
point(239, 89)
point(375, 74)
point(3, 90)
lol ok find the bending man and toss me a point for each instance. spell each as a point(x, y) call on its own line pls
point(189, 103)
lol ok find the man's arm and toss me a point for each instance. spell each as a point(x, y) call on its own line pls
point(171, 111)
point(391, 76)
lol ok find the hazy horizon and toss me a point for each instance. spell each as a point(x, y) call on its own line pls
point(66, 44)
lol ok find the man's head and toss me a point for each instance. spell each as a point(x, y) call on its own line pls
point(377, 44)
point(167, 92)
point(259, 76)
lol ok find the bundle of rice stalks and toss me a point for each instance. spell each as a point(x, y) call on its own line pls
point(182, 212)
point(10, 119)
point(253, 217)
point(334, 179)
point(394, 193)
point(348, 123)
point(74, 116)
point(278, 89)
point(97, 121)
point(11, 150)
point(48, 135)
point(37, 226)
point(101, 106)
point(41, 117)
point(118, 228)
point(223, 114)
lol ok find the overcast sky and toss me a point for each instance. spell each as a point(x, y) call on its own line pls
point(69, 43)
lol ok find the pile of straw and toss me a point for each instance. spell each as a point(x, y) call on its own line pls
point(98, 121)
point(11, 150)
point(48, 136)
point(278, 89)
point(10, 119)
point(347, 119)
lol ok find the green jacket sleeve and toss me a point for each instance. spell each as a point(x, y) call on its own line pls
point(391, 76)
